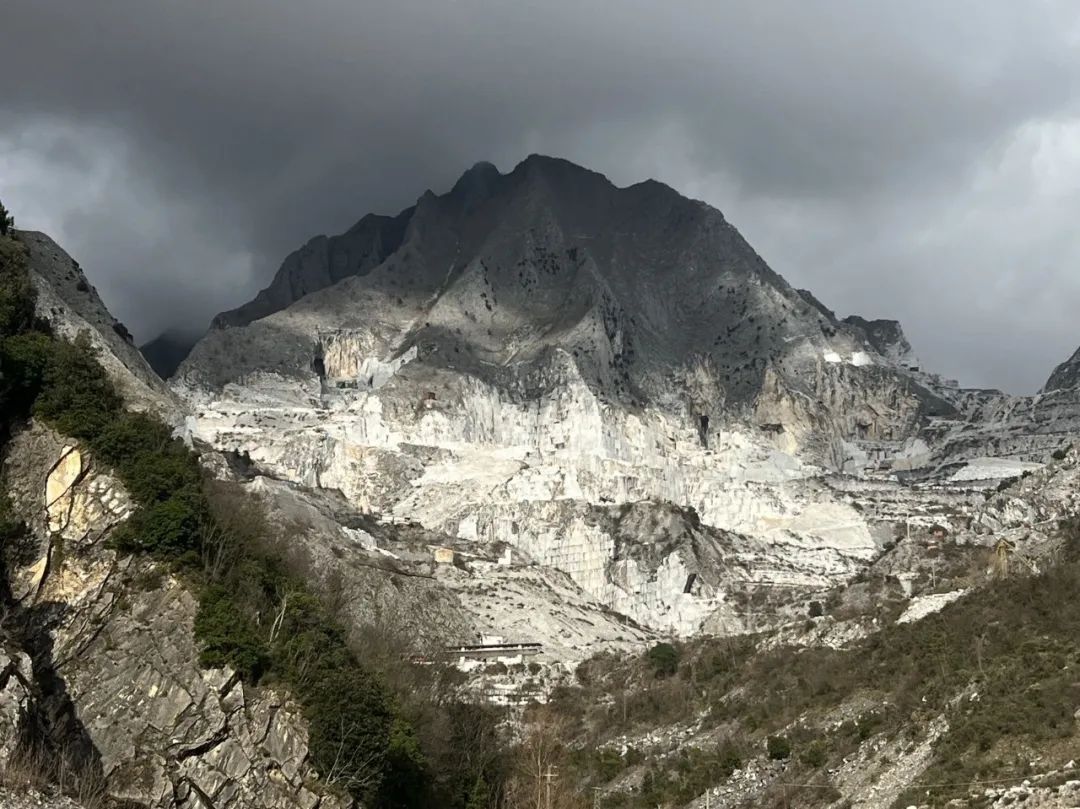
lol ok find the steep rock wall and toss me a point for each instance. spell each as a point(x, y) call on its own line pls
point(107, 659)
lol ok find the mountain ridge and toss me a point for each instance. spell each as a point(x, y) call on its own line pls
point(635, 284)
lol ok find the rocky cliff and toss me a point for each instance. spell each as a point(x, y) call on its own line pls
point(101, 666)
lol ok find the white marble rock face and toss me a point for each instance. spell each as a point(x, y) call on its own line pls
point(621, 392)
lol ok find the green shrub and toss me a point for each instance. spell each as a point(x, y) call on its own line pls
point(349, 721)
point(406, 780)
point(778, 748)
point(16, 291)
point(168, 528)
point(76, 397)
point(23, 360)
point(131, 436)
point(161, 476)
point(664, 660)
point(228, 637)
point(815, 755)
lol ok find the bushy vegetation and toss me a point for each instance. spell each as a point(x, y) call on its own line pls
point(1002, 665)
point(778, 748)
point(254, 615)
point(664, 659)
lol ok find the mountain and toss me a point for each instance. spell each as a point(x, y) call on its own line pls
point(653, 299)
point(166, 351)
point(541, 439)
point(552, 370)
point(592, 394)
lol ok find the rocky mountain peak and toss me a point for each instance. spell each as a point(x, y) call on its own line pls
point(551, 269)
point(322, 262)
point(478, 181)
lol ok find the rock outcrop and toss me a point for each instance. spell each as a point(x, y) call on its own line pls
point(99, 666)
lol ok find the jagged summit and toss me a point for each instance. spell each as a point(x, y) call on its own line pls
point(649, 297)
point(477, 181)
point(324, 261)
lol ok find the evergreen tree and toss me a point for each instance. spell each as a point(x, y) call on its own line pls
point(7, 223)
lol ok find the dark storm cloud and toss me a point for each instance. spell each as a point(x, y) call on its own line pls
point(901, 159)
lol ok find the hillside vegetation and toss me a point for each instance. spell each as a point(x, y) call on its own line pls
point(1001, 666)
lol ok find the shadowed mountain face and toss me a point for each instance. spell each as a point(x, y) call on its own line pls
point(323, 262)
point(654, 298)
point(166, 351)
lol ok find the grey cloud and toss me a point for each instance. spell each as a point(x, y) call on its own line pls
point(198, 143)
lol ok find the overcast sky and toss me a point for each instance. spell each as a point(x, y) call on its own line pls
point(916, 160)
